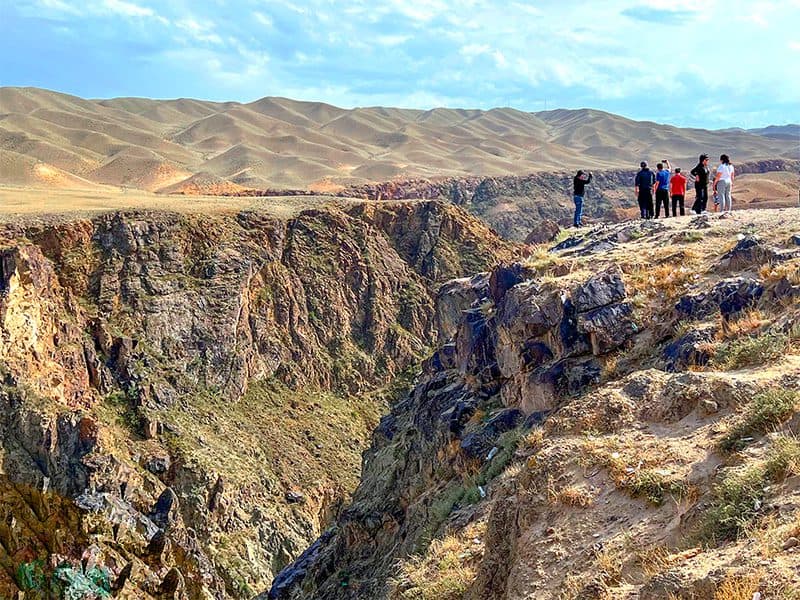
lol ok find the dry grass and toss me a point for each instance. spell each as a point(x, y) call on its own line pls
point(20, 203)
point(750, 351)
point(765, 411)
point(572, 495)
point(639, 469)
point(739, 587)
point(444, 572)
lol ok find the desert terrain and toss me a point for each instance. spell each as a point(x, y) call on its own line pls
point(193, 146)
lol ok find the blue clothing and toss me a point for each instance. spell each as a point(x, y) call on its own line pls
point(578, 210)
point(663, 179)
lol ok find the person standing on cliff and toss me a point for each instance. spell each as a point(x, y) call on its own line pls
point(700, 174)
point(678, 188)
point(643, 186)
point(723, 183)
point(579, 182)
point(662, 187)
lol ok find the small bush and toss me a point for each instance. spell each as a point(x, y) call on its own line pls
point(765, 411)
point(572, 495)
point(738, 498)
point(750, 351)
point(656, 486)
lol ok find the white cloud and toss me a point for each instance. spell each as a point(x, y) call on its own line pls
point(127, 9)
point(265, 20)
point(794, 46)
point(392, 40)
point(201, 32)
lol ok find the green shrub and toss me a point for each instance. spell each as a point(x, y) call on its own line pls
point(738, 498)
point(750, 350)
point(765, 411)
point(656, 487)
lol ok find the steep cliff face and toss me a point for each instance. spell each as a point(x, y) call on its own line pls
point(185, 397)
point(591, 427)
point(514, 204)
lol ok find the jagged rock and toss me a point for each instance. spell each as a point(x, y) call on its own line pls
point(172, 583)
point(165, 511)
point(457, 415)
point(158, 465)
point(570, 242)
point(544, 231)
point(479, 442)
point(475, 346)
point(600, 290)
point(795, 239)
point(116, 511)
point(504, 278)
point(454, 297)
point(444, 358)
point(729, 297)
point(688, 350)
point(294, 497)
point(750, 250)
point(286, 580)
point(609, 327)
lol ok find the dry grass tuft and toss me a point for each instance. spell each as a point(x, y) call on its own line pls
point(444, 572)
point(572, 495)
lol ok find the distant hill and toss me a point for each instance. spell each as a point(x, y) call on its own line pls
point(180, 145)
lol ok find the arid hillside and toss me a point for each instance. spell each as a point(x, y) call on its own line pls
point(612, 417)
point(194, 146)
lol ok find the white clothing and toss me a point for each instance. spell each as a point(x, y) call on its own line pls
point(725, 172)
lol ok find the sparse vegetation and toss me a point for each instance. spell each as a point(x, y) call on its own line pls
point(765, 411)
point(750, 351)
point(444, 572)
point(739, 497)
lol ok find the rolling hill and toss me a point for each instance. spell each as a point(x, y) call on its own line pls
point(157, 145)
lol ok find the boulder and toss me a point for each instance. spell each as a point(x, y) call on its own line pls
point(729, 297)
point(600, 290)
point(456, 296)
point(609, 327)
point(544, 231)
point(748, 251)
point(505, 277)
point(688, 350)
point(478, 443)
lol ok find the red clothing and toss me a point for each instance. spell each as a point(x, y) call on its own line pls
point(678, 184)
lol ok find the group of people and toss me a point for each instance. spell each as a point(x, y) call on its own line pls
point(655, 189)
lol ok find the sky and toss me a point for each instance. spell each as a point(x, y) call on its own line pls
point(710, 64)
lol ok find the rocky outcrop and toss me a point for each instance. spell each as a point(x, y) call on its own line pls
point(516, 355)
point(164, 378)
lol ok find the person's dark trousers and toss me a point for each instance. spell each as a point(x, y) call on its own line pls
point(677, 200)
point(646, 205)
point(578, 211)
point(701, 200)
point(662, 197)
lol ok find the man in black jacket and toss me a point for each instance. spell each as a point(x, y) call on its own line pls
point(644, 188)
point(579, 182)
point(700, 173)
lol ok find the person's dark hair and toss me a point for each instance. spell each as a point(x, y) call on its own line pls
point(677, 169)
point(579, 173)
point(725, 160)
point(702, 157)
point(643, 164)
point(660, 166)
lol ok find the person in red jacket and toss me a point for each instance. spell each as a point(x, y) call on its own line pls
point(677, 184)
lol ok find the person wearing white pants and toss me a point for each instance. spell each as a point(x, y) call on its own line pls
point(723, 183)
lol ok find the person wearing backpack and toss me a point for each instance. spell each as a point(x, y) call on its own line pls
point(700, 174)
point(579, 182)
point(723, 183)
point(662, 187)
point(644, 187)
point(678, 188)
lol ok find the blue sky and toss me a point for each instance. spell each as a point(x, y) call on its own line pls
point(706, 64)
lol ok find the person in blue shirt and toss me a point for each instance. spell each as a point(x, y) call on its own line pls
point(662, 187)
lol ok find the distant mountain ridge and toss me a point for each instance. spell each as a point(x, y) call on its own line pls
point(195, 145)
